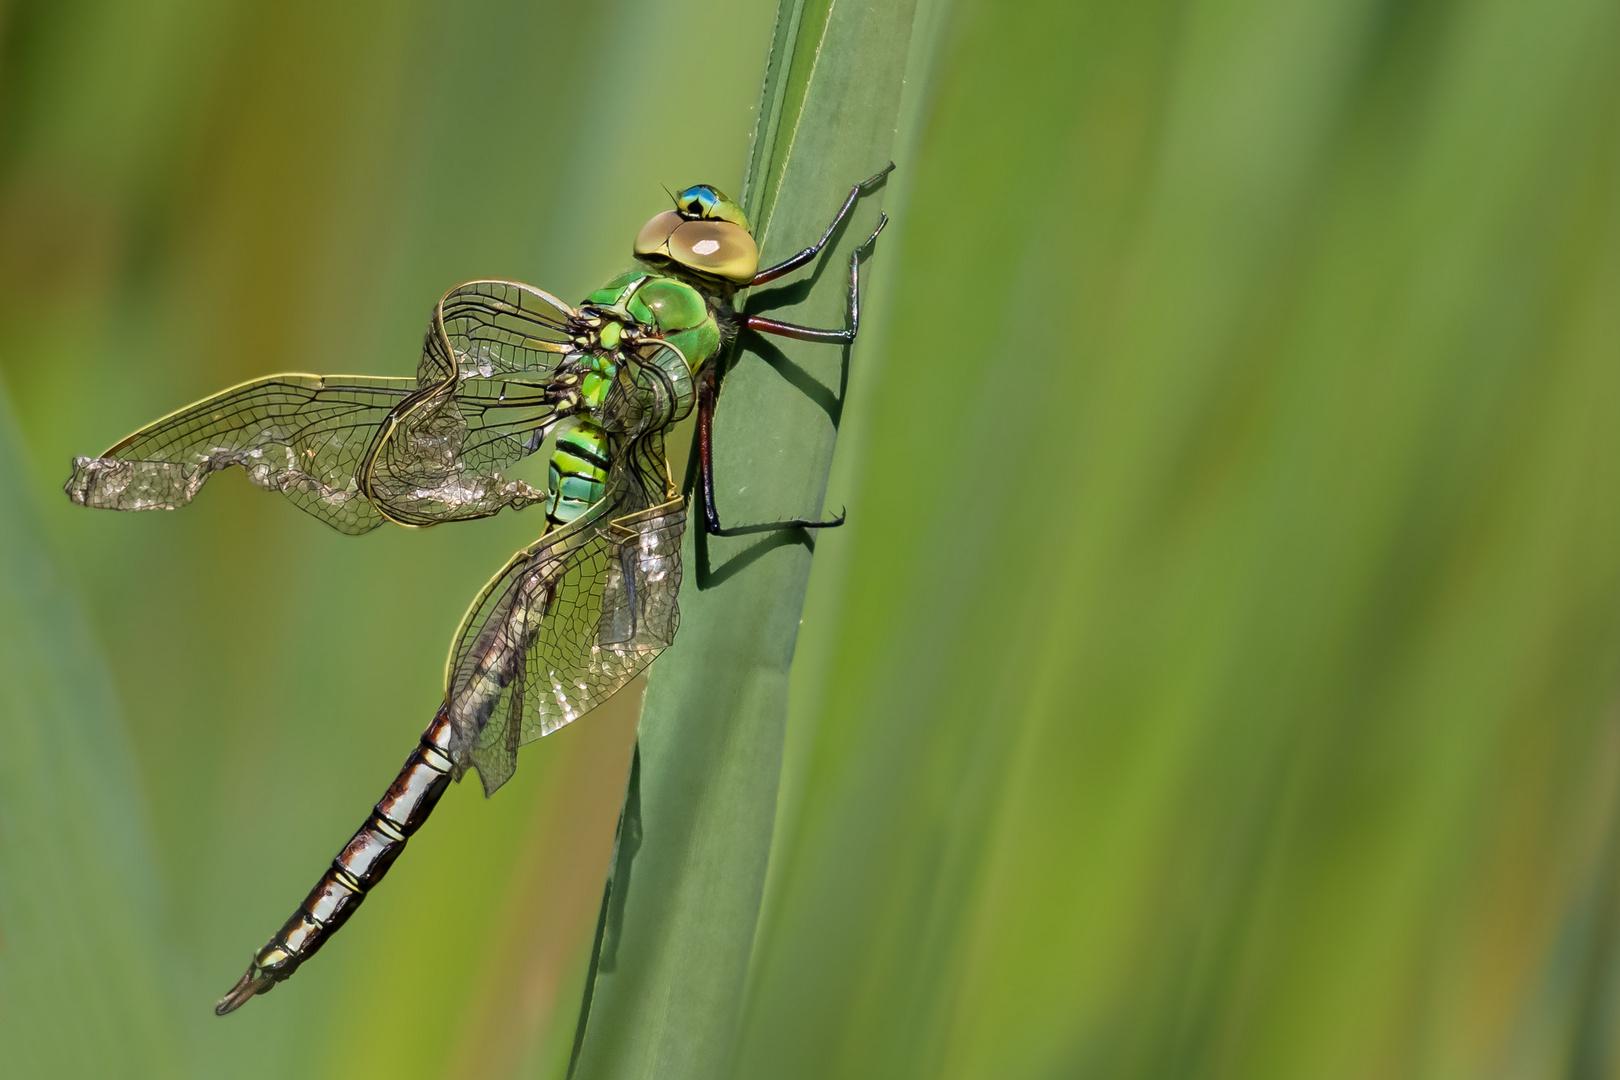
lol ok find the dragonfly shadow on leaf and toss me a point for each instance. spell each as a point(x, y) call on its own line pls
point(708, 575)
point(778, 534)
point(784, 295)
point(626, 846)
point(829, 401)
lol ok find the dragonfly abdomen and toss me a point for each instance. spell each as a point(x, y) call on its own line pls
point(578, 471)
point(359, 866)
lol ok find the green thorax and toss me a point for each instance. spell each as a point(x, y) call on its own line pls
point(679, 311)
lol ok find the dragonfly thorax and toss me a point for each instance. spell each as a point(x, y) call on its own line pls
point(643, 307)
point(607, 328)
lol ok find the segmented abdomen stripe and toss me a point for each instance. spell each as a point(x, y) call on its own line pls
point(588, 450)
point(359, 866)
point(374, 847)
point(578, 472)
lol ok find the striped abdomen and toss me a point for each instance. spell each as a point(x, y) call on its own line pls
point(360, 865)
point(578, 471)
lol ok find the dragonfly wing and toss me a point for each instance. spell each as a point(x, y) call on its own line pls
point(581, 611)
point(355, 451)
point(570, 620)
point(302, 435)
point(488, 395)
point(487, 329)
point(440, 456)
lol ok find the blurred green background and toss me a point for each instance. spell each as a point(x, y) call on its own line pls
point(1218, 674)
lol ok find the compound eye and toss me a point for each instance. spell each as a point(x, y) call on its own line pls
point(715, 247)
point(656, 232)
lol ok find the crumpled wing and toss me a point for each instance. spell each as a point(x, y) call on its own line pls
point(488, 396)
point(356, 451)
point(567, 622)
point(301, 435)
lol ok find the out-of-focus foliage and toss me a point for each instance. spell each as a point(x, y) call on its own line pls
point(1217, 676)
point(81, 969)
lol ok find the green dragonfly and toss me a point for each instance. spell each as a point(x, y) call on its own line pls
point(571, 617)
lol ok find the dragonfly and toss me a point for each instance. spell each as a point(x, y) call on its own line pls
point(570, 618)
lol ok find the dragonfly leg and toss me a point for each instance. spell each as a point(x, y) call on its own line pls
point(787, 266)
point(760, 324)
point(360, 865)
point(711, 514)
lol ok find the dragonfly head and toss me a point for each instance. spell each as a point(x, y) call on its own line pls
point(706, 233)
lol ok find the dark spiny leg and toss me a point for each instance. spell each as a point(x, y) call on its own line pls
point(787, 266)
point(762, 325)
point(705, 405)
point(360, 865)
point(711, 514)
point(707, 391)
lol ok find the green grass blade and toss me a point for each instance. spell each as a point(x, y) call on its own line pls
point(679, 923)
point(85, 987)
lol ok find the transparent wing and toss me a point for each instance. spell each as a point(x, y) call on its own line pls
point(488, 396)
point(355, 451)
point(297, 434)
point(487, 329)
point(568, 621)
